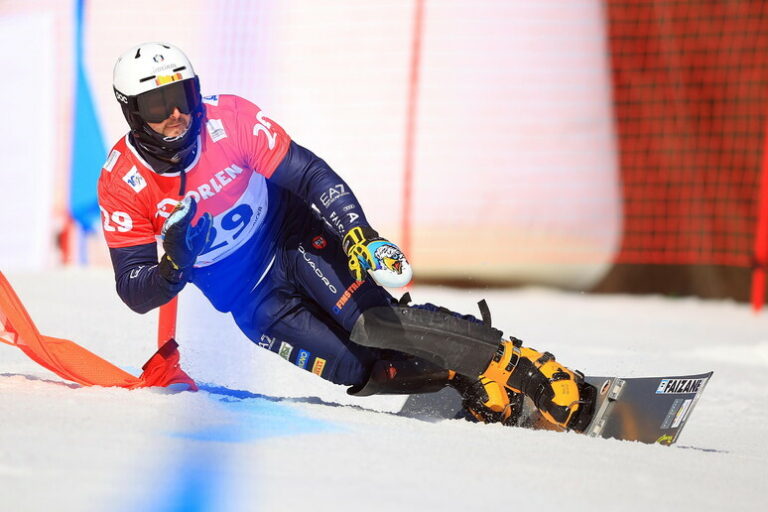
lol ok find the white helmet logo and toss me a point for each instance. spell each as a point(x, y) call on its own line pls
point(158, 58)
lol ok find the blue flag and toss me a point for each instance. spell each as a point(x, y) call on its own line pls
point(88, 150)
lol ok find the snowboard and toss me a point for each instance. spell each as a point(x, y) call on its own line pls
point(650, 410)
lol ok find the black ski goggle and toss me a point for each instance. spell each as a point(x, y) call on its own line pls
point(157, 105)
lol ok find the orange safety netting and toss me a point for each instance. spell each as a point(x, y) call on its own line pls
point(690, 84)
point(72, 362)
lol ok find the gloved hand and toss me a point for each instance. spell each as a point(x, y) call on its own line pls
point(382, 259)
point(182, 241)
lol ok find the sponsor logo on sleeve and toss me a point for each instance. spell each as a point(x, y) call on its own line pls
point(334, 221)
point(303, 359)
point(216, 129)
point(135, 180)
point(318, 366)
point(285, 350)
point(211, 100)
point(332, 194)
point(111, 160)
point(678, 386)
point(319, 242)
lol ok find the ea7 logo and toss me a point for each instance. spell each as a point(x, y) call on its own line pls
point(678, 386)
point(333, 193)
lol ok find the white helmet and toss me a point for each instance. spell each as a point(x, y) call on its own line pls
point(150, 81)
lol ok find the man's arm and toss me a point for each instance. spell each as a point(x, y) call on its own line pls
point(138, 279)
point(310, 178)
point(144, 283)
point(268, 150)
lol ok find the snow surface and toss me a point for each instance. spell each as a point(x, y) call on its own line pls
point(239, 447)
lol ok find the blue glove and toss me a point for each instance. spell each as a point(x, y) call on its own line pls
point(369, 253)
point(182, 241)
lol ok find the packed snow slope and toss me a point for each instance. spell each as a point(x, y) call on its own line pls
point(265, 435)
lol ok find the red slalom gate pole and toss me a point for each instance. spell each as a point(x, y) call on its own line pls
point(410, 125)
point(761, 234)
point(166, 325)
point(65, 239)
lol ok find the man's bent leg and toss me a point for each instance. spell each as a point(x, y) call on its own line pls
point(300, 333)
point(318, 268)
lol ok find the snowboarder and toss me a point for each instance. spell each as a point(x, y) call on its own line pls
point(271, 234)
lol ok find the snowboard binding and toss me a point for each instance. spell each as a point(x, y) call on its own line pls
point(484, 401)
point(560, 395)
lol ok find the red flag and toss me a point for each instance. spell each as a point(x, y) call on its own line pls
point(72, 362)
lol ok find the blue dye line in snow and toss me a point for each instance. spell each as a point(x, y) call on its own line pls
point(200, 479)
point(257, 417)
point(195, 489)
